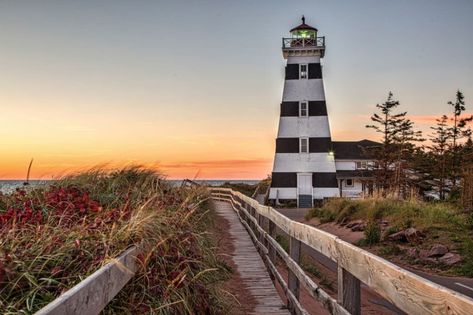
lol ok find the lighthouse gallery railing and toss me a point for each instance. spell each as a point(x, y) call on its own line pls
point(409, 292)
point(303, 42)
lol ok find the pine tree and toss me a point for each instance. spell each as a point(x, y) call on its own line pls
point(397, 134)
point(440, 151)
point(458, 131)
point(404, 141)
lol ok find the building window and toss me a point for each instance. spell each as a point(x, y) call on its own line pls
point(303, 72)
point(349, 182)
point(303, 109)
point(304, 145)
point(361, 165)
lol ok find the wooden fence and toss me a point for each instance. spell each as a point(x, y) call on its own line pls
point(91, 295)
point(409, 292)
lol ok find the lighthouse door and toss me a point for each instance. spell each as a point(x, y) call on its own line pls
point(304, 190)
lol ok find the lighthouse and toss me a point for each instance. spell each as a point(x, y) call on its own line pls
point(304, 169)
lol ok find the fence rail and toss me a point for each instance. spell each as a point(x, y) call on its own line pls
point(409, 292)
point(91, 295)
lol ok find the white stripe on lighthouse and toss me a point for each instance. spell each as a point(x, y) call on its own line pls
point(291, 193)
point(303, 90)
point(304, 59)
point(312, 127)
point(304, 162)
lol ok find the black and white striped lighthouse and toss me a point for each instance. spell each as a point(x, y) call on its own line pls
point(304, 164)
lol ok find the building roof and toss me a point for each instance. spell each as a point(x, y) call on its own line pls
point(353, 150)
point(303, 26)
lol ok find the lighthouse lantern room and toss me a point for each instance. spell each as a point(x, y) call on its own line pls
point(304, 166)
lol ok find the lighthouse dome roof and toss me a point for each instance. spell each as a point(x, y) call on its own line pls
point(303, 26)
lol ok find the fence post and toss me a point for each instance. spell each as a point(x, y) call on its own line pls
point(272, 234)
point(349, 291)
point(293, 282)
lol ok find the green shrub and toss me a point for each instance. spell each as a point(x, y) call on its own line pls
point(283, 241)
point(467, 254)
point(469, 220)
point(391, 230)
point(390, 250)
point(372, 233)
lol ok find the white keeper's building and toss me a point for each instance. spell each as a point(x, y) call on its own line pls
point(308, 165)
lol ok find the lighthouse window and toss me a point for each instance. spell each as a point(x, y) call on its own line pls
point(349, 182)
point(303, 72)
point(304, 145)
point(303, 110)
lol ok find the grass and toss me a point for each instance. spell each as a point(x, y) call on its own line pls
point(400, 214)
point(372, 233)
point(306, 263)
point(441, 222)
point(52, 237)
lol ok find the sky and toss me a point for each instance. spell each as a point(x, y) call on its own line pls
point(193, 88)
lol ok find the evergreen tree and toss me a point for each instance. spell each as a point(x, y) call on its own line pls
point(404, 141)
point(398, 136)
point(440, 151)
point(458, 131)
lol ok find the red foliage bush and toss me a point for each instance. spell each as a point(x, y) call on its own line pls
point(67, 202)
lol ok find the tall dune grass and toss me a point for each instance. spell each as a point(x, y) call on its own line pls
point(52, 237)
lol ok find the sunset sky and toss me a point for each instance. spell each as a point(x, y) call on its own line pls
point(193, 87)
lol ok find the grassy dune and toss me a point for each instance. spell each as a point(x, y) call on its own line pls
point(441, 223)
point(54, 236)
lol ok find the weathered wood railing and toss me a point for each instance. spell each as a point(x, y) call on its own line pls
point(91, 295)
point(409, 292)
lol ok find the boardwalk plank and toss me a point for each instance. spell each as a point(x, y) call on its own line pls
point(250, 266)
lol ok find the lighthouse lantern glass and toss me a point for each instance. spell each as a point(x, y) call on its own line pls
point(304, 34)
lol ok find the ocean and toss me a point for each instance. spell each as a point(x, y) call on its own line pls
point(7, 186)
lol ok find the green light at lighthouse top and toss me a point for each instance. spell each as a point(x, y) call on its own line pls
point(304, 31)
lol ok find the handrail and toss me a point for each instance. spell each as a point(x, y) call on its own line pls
point(91, 295)
point(409, 292)
point(189, 182)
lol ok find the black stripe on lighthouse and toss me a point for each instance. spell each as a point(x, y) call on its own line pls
point(291, 145)
point(291, 109)
point(317, 108)
point(287, 145)
point(281, 180)
point(324, 180)
point(320, 145)
point(315, 71)
point(292, 71)
point(289, 180)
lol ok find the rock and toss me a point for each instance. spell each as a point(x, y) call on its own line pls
point(438, 250)
point(398, 236)
point(450, 259)
point(353, 223)
point(413, 235)
point(424, 254)
point(384, 223)
point(424, 257)
point(359, 227)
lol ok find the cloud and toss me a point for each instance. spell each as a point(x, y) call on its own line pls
point(220, 169)
point(218, 163)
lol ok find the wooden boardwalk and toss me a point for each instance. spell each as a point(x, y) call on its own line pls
point(250, 266)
